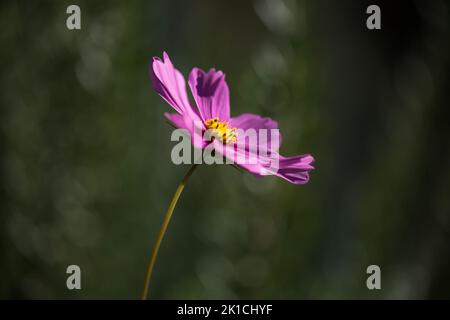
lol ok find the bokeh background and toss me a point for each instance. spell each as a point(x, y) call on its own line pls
point(85, 167)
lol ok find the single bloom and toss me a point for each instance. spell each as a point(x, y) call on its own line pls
point(211, 111)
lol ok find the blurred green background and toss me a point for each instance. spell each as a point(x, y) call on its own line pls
point(86, 174)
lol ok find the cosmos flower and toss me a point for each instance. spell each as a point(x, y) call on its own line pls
point(227, 135)
point(211, 111)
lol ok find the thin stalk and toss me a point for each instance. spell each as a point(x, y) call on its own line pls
point(162, 231)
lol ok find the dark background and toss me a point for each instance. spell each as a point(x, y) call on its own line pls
point(85, 163)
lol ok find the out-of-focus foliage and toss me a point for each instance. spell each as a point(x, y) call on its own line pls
point(86, 174)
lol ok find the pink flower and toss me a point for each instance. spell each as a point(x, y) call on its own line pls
point(211, 111)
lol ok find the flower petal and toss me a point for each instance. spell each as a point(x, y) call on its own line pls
point(211, 93)
point(170, 85)
point(182, 122)
point(253, 121)
point(248, 121)
point(176, 119)
point(292, 169)
point(242, 157)
point(295, 169)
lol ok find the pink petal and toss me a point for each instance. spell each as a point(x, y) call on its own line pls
point(295, 169)
point(187, 123)
point(250, 161)
point(292, 169)
point(176, 119)
point(247, 121)
point(169, 83)
point(211, 93)
point(171, 86)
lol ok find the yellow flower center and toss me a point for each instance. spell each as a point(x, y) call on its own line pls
point(222, 130)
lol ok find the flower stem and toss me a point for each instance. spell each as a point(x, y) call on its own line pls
point(162, 231)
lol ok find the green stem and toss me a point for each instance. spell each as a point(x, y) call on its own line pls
point(162, 231)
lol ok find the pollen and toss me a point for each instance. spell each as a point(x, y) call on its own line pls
point(222, 130)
